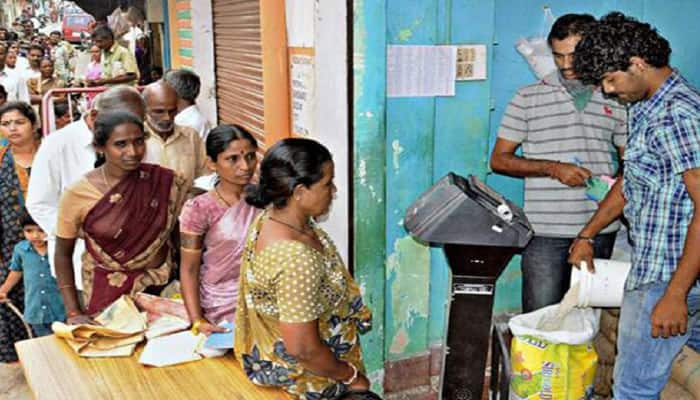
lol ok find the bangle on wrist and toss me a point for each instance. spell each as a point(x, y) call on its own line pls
point(353, 378)
point(588, 239)
point(196, 324)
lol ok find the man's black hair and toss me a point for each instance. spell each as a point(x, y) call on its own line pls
point(36, 47)
point(102, 31)
point(610, 43)
point(60, 109)
point(569, 25)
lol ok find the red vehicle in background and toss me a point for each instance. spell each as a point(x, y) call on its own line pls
point(75, 26)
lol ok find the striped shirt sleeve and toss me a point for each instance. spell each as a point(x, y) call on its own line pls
point(681, 141)
point(620, 132)
point(514, 125)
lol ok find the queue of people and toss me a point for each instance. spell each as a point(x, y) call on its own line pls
point(109, 196)
point(115, 189)
point(32, 63)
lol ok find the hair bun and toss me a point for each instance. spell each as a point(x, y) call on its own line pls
point(255, 196)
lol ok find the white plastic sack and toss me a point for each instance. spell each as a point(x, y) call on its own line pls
point(553, 364)
point(536, 50)
point(579, 326)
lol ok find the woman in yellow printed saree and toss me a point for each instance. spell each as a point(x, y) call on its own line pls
point(299, 311)
point(126, 212)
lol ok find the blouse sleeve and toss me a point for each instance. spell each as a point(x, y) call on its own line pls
point(69, 216)
point(194, 217)
point(298, 283)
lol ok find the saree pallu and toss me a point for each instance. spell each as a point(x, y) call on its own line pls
point(13, 188)
point(126, 232)
point(221, 269)
point(258, 342)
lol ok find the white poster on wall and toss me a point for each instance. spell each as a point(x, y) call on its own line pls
point(302, 93)
point(300, 22)
point(421, 71)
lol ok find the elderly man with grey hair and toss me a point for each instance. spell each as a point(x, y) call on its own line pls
point(65, 156)
point(171, 145)
point(187, 85)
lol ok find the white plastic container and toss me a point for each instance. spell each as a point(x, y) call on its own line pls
point(604, 287)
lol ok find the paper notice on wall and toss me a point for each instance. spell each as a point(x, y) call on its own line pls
point(471, 62)
point(300, 16)
point(421, 71)
point(302, 93)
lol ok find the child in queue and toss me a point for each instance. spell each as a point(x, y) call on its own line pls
point(42, 301)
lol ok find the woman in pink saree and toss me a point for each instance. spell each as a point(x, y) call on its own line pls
point(213, 228)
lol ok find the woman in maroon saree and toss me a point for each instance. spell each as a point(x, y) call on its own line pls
point(126, 211)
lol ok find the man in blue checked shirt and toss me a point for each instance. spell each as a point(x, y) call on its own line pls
point(658, 194)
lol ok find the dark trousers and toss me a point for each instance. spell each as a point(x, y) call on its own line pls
point(546, 272)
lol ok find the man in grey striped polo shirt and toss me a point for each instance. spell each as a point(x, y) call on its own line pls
point(568, 133)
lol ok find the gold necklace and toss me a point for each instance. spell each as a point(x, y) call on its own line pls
point(216, 190)
point(104, 178)
point(303, 232)
point(27, 164)
point(22, 164)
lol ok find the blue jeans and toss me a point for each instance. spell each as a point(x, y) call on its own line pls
point(42, 330)
point(546, 272)
point(643, 363)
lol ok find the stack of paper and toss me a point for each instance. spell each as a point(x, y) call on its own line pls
point(184, 347)
point(172, 349)
point(122, 327)
point(166, 325)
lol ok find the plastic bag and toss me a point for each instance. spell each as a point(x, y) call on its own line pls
point(557, 364)
point(536, 50)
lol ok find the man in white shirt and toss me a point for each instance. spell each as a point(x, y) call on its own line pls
point(14, 84)
point(36, 53)
point(19, 61)
point(187, 84)
point(64, 157)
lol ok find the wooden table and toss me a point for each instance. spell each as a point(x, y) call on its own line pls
point(55, 372)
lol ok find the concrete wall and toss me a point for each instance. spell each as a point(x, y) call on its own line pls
point(331, 115)
point(326, 21)
point(203, 58)
point(369, 144)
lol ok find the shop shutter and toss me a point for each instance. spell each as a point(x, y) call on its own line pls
point(239, 67)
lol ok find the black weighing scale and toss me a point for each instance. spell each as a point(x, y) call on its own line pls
point(479, 231)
